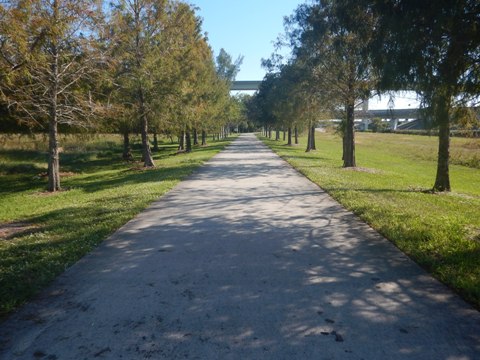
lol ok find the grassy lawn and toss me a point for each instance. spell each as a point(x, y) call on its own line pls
point(102, 193)
point(441, 232)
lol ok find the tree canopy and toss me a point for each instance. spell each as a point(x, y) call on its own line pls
point(125, 66)
point(348, 49)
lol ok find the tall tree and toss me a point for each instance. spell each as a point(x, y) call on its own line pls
point(262, 105)
point(337, 58)
point(432, 47)
point(226, 68)
point(53, 51)
point(138, 27)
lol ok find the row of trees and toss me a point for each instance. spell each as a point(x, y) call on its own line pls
point(120, 66)
point(343, 51)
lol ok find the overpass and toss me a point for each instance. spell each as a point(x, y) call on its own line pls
point(245, 85)
point(387, 114)
point(365, 113)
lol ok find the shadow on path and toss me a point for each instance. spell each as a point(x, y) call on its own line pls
point(245, 260)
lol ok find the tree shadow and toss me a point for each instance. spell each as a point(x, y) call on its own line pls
point(269, 267)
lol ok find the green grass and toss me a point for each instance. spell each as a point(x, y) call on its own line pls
point(441, 232)
point(102, 195)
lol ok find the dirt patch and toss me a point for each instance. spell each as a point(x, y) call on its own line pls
point(474, 235)
point(365, 170)
point(14, 229)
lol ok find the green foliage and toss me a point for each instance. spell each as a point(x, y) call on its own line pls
point(226, 68)
point(432, 48)
point(377, 125)
point(127, 66)
point(57, 229)
point(391, 192)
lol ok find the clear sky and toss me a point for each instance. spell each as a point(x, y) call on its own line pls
point(245, 27)
point(249, 28)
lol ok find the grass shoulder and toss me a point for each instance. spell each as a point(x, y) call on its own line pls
point(42, 234)
point(389, 191)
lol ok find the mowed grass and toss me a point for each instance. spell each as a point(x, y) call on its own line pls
point(102, 193)
point(389, 191)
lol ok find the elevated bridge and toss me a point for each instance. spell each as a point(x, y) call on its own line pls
point(245, 85)
point(365, 113)
point(387, 114)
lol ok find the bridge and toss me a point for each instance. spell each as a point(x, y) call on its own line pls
point(245, 85)
point(387, 114)
point(364, 115)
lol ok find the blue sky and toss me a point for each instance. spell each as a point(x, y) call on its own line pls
point(249, 28)
point(245, 27)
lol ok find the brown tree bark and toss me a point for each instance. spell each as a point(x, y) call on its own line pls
point(442, 179)
point(312, 138)
point(127, 151)
point(181, 141)
point(349, 138)
point(53, 150)
point(204, 138)
point(155, 142)
point(146, 153)
point(309, 140)
point(188, 141)
point(289, 142)
point(296, 135)
point(195, 136)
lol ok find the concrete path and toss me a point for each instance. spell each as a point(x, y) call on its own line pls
point(245, 260)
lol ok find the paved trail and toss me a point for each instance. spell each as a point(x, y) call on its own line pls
point(245, 260)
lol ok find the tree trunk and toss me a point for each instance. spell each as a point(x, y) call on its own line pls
point(349, 138)
point(188, 141)
point(277, 134)
point(284, 135)
point(442, 180)
point(147, 154)
point(181, 141)
point(269, 132)
point(296, 135)
point(127, 151)
point(155, 142)
point(312, 138)
point(309, 140)
point(289, 142)
point(204, 138)
point(53, 150)
point(195, 136)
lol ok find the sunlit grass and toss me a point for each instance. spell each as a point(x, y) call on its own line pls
point(102, 193)
point(390, 192)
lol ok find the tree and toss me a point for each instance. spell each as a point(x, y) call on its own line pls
point(336, 58)
point(197, 79)
point(226, 69)
point(434, 49)
point(138, 27)
point(262, 105)
point(48, 49)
